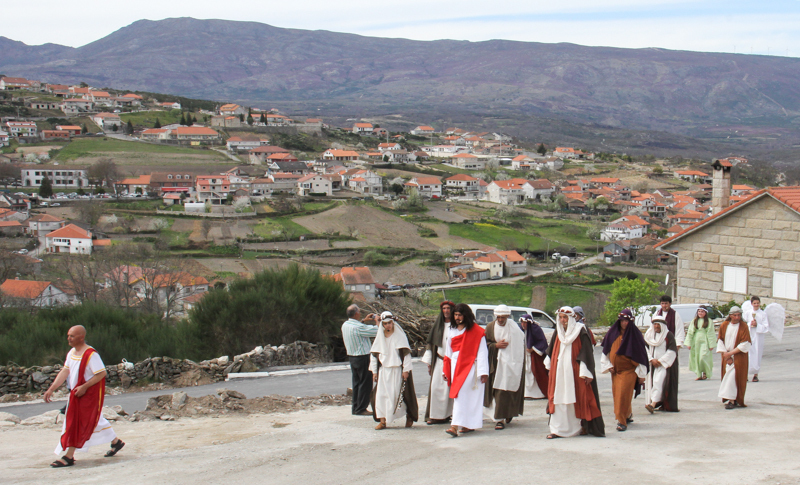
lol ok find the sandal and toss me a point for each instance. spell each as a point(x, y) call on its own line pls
point(755, 378)
point(508, 420)
point(466, 430)
point(552, 436)
point(730, 405)
point(621, 427)
point(452, 431)
point(630, 419)
point(380, 426)
point(499, 425)
point(114, 448)
point(650, 408)
point(63, 462)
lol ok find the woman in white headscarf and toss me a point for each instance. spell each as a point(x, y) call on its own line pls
point(661, 383)
point(390, 363)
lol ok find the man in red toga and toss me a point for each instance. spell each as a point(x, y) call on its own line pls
point(84, 424)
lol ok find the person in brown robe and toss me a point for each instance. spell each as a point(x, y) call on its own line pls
point(508, 404)
point(625, 357)
point(734, 349)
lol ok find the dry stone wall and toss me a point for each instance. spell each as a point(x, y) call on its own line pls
point(180, 372)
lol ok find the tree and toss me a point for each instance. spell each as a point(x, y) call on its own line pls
point(272, 307)
point(8, 173)
point(658, 170)
point(183, 119)
point(263, 118)
point(541, 149)
point(157, 124)
point(46, 188)
point(104, 172)
point(241, 117)
point(130, 127)
point(630, 293)
point(114, 128)
point(90, 212)
point(205, 227)
point(84, 129)
point(250, 120)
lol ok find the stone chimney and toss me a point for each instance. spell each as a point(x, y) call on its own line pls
point(721, 186)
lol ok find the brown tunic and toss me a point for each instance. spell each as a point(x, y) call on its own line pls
point(623, 382)
point(741, 360)
point(507, 404)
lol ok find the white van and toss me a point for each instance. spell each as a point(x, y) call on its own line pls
point(484, 314)
point(687, 311)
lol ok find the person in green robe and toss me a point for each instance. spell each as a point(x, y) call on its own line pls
point(701, 340)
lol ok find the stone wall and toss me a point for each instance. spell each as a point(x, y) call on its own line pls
point(763, 237)
point(19, 380)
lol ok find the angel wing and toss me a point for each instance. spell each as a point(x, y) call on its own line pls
point(776, 316)
point(747, 307)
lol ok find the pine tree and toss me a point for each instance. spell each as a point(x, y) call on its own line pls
point(157, 124)
point(183, 120)
point(46, 188)
point(250, 120)
point(541, 149)
point(130, 127)
point(84, 129)
point(263, 118)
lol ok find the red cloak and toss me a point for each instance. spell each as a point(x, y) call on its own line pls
point(83, 413)
point(467, 345)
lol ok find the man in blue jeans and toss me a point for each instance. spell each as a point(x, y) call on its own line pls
point(358, 337)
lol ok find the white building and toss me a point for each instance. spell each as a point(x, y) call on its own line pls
point(107, 120)
point(69, 239)
point(509, 192)
point(59, 177)
point(366, 182)
point(467, 161)
point(426, 186)
point(463, 182)
point(40, 294)
point(22, 128)
point(4, 142)
point(314, 184)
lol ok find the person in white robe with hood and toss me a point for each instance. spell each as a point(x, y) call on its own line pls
point(661, 353)
point(390, 363)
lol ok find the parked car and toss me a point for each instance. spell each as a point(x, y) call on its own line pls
point(687, 311)
point(484, 314)
point(55, 204)
point(23, 251)
point(495, 277)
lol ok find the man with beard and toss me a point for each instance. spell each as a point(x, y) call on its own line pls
point(505, 392)
point(440, 405)
point(625, 357)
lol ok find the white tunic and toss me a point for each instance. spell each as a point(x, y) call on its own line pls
point(390, 382)
point(563, 421)
point(728, 388)
point(103, 433)
point(440, 403)
point(531, 387)
point(757, 335)
point(468, 406)
point(680, 328)
point(654, 383)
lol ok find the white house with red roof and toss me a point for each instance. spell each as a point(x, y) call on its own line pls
point(340, 155)
point(69, 239)
point(314, 183)
point(692, 176)
point(14, 83)
point(358, 279)
point(22, 128)
point(212, 188)
point(468, 161)
point(510, 192)
point(107, 120)
point(463, 183)
point(40, 294)
point(363, 128)
point(626, 227)
point(43, 224)
point(491, 262)
point(423, 130)
point(426, 186)
point(382, 147)
point(365, 182)
point(513, 263)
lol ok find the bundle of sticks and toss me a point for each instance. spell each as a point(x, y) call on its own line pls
point(414, 323)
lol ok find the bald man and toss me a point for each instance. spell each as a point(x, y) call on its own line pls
point(84, 424)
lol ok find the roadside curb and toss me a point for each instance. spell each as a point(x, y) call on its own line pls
point(293, 372)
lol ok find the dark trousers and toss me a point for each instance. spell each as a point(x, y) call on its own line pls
point(362, 382)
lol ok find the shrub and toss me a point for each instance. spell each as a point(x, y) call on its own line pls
point(273, 307)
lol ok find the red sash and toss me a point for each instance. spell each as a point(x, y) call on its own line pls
point(466, 345)
point(83, 412)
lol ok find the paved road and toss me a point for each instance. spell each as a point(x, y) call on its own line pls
point(778, 383)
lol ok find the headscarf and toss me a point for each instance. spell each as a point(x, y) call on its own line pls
point(386, 348)
point(632, 345)
point(652, 338)
point(564, 392)
point(573, 328)
point(706, 319)
point(510, 360)
point(579, 311)
point(436, 334)
point(534, 335)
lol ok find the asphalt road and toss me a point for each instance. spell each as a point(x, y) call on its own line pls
point(778, 384)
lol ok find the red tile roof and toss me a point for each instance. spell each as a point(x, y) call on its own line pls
point(195, 130)
point(511, 255)
point(45, 218)
point(461, 177)
point(357, 276)
point(70, 231)
point(23, 288)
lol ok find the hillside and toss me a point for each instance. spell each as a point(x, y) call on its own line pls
point(602, 97)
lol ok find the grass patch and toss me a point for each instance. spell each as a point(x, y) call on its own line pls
point(140, 205)
point(519, 294)
point(87, 147)
point(268, 227)
point(497, 236)
point(148, 118)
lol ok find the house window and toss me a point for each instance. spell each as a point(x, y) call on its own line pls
point(784, 285)
point(178, 177)
point(169, 176)
point(734, 279)
point(367, 287)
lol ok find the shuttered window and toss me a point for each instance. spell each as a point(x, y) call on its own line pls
point(734, 279)
point(784, 285)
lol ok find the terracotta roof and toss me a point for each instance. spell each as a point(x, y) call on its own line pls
point(510, 255)
point(101, 242)
point(269, 149)
point(363, 125)
point(10, 224)
point(23, 288)
point(70, 231)
point(357, 276)
point(106, 115)
point(140, 180)
point(342, 153)
point(464, 155)
point(605, 180)
point(194, 130)
point(428, 180)
point(692, 172)
point(45, 218)
point(461, 177)
point(490, 258)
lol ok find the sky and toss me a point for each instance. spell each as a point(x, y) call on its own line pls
point(735, 26)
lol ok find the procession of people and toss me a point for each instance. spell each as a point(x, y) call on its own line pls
point(479, 374)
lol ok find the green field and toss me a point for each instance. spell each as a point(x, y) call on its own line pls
point(88, 147)
point(148, 118)
point(564, 232)
point(519, 294)
point(536, 235)
point(266, 226)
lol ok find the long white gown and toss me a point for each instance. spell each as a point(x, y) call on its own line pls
point(468, 406)
point(390, 381)
point(441, 404)
point(728, 388)
point(654, 382)
point(103, 432)
point(757, 335)
point(531, 387)
point(563, 421)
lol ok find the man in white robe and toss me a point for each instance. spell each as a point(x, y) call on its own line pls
point(758, 324)
point(84, 424)
point(466, 378)
point(661, 351)
point(390, 364)
point(505, 389)
point(440, 405)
